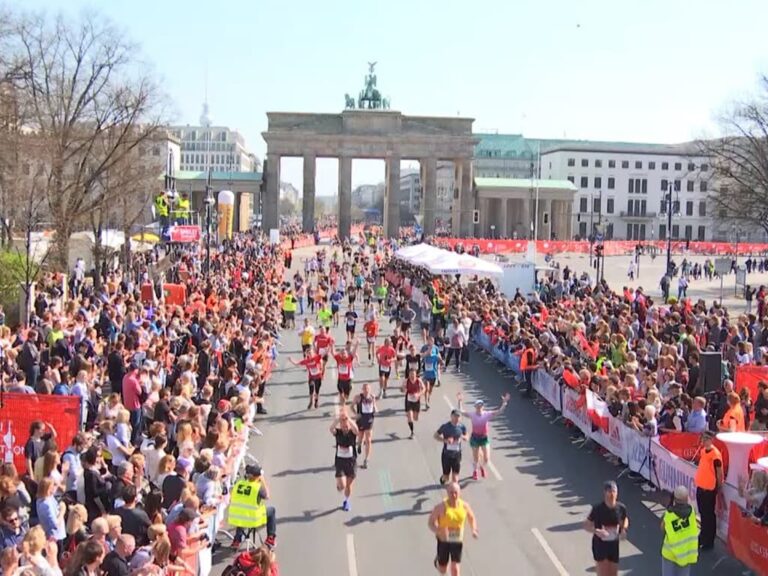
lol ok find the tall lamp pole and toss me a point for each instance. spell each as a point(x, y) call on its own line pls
point(208, 207)
point(669, 228)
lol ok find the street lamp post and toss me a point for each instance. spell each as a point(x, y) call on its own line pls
point(669, 229)
point(208, 208)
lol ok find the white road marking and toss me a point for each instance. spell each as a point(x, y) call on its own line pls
point(447, 401)
point(550, 553)
point(495, 471)
point(351, 556)
point(336, 405)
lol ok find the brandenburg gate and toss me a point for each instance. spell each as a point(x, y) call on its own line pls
point(375, 132)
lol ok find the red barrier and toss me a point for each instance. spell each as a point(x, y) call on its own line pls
point(18, 412)
point(747, 541)
point(686, 445)
point(610, 247)
point(748, 376)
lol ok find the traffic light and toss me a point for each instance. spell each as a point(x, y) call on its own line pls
point(475, 216)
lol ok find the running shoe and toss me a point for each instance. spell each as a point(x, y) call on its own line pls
point(482, 471)
point(474, 475)
point(271, 542)
point(235, 543)
point(365, 464)
point(345, 506)
point(315, 402)
point(309, 405)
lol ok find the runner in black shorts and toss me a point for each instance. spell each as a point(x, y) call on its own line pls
point(314, 365)
point(447, 523)
point(413, 388)
point(345, 431)
point(365, 406)
point(350, 321)
point(451, 434)
point(608, 521)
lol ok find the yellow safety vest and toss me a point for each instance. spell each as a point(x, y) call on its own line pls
point(246, 510)
point(289, 303)
point(182, 207)
point(681, 539)
point(161, 205)
point(453, 519)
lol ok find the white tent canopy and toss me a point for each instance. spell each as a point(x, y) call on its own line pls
point(439, 261)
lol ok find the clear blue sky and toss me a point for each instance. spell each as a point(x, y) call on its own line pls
point(654, 71)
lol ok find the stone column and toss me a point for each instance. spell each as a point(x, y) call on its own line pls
point(504, 225)
point(569, 219)
point(429, 194)
point(345, 197)
point(545, 230)
point(526, 219)
point(485, 222)
point(466, 198)
point(271, 197)
point(308, 202)
point(392, 197)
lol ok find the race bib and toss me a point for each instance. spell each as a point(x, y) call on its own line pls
point(367, 407)
point(455, 447)
point(344, 451)
point(323, 351)
point(412, 397)
point(454, 535)
point(314, 370)
point(371, 339)
point(384, 369)
point(413, 366)
point(343, 369)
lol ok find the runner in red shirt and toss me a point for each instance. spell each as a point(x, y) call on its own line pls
point(413, 387)
point(324, 345)
point(314, 365)
point(345, 360)
point(385, 356)
point(371, 331)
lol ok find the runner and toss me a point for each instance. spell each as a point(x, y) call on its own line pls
point(350, 320)
point(367, 294)
point(324, 345)
point(413, 388)
point(352, 295)
point(447, 522)
point(425, 317)
point(345, 431)
point(451, 434)
point(430, 364)
point(371, 328)
point(324, 316)
point(407, 316)
point(400, 342)
point(344, 363)
point(336, 299)
point(381, 296)
point(307, 335)
point(314, 365)
point(385, 356)
point(481, 446)
point(608, 522)
point(365, 406)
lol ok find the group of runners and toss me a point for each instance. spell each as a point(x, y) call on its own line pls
point(416, 368)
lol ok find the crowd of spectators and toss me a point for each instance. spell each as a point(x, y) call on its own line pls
point(167, 391)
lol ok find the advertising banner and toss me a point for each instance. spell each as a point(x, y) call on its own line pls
point(747, 541)
point(61, 413)
point(575, 410)
point(186, 234)
point(546, 385)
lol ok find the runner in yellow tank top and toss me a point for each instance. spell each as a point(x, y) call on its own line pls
point(447, 522)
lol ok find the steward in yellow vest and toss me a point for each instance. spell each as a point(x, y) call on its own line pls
point(182, 208)
point(161, 205)
point(681, 535)
point(247, 510)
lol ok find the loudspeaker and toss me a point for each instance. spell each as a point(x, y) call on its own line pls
point(711, 372)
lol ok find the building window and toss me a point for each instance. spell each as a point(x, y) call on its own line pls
point(629, 231)
point(664, 184)
point(571, 179)
point(689, 185)
point(665, 165)
point(584, 162)
point(609, 231)
point(596, 205)
point(662, 231)
point(704, 167)
point(611, 163)
point(625, 163)
point(582, 229)
point(571, 161)
point(651, 165)
point(702, 208)
point(676, 207)
point(638, 165)
point(582, 205)
point(611, 183)
point(631, 185)
point(675, 231)
point(598, 182)
point(691, 167)
point(663, 209)
point(609, 206)
point(688, 232)
point(598, 163)
point(645, 186)
point(678, 167)
point(689, 208)
point(584, 182)
point(677, 185)
point(703, 186)
point(702, 232)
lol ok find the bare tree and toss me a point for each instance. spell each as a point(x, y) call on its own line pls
point(90, 103)
point(740, 162)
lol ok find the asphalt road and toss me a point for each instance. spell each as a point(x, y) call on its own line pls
point(530, 508)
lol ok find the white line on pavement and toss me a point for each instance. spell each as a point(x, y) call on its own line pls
point(336, 405)
point(550, 553)
point(447, 401)
point(495, 471)
point(351, 556)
